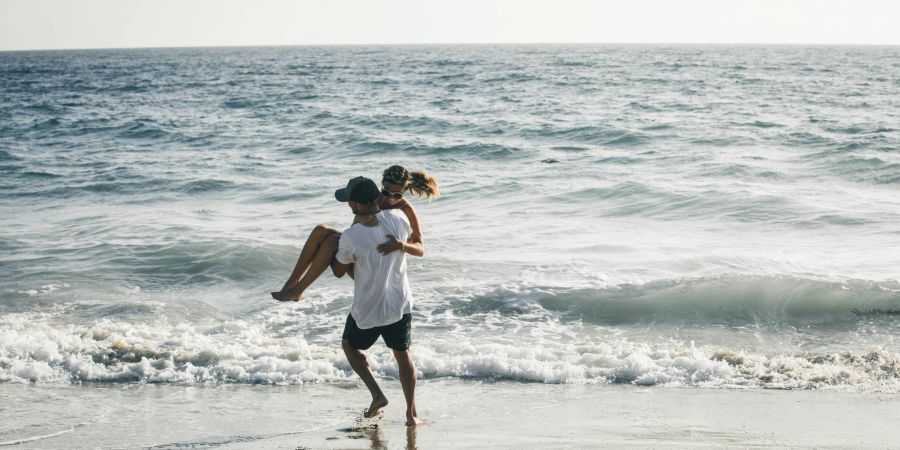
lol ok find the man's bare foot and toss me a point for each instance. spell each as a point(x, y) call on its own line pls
point(377, 403)
point(412, 420)
point(288, 295)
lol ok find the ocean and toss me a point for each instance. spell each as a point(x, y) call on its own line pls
point(716, 217)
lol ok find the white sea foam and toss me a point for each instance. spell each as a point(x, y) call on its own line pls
point(43, 290)
point(36, 349)
point(36, 438)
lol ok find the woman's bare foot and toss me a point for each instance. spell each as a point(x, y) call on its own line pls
point(287, 295)
point(377, 403)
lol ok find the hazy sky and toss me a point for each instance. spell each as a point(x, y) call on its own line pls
point(42, 24)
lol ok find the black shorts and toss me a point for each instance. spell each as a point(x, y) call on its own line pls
point(396, 335)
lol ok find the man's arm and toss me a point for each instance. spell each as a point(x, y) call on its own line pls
point(339, 269)
point(411, 246)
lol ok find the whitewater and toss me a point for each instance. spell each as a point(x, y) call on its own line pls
point(723, 217)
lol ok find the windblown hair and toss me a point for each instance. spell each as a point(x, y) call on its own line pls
point(417, 183)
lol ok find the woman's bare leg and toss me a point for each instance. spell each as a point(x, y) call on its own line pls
point(320, 262)
point(307, 254)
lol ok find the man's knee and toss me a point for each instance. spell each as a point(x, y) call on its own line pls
point(350, 350)
point(403, 355)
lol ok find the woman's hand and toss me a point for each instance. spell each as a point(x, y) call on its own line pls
point(391, 245)
point(367, 220)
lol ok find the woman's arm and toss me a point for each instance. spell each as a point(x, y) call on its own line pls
point(416, 235)
point(393, 244)
point(415, 245)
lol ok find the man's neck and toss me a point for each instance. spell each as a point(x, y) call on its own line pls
point(370, 212)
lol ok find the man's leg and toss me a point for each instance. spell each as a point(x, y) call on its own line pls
point(408, 381)
point(360, 365)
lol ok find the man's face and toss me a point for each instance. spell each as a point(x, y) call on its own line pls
point(361, 208)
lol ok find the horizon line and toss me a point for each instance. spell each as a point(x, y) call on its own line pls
point(411, 44)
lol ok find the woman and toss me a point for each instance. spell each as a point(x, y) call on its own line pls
point(322, 243)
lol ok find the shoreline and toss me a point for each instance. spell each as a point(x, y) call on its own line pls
point(456, 413)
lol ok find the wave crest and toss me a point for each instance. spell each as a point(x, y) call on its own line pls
point(732, 300)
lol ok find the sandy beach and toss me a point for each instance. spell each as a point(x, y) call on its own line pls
point(456, 414)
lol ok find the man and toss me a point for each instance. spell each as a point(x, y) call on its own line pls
point(382, 301)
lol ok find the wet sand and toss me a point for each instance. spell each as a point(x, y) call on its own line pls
point(457, 414)
point(504, 415)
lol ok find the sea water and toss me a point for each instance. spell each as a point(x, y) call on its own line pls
point(706, 216)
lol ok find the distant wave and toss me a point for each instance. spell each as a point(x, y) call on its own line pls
point(200, 186)
point(443, 62)
point(599, 135)
point(7, 156)
point(873, 169)
point(131, 88)
point(402, 122)
point(116, 181)
point(242, 103)
point(731, 300)
point(511, 77)
point(479, 150)
point(635, 199)
point(182, 262)
point(142, 129)
point(742, 172)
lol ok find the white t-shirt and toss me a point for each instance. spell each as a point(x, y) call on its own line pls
point(381, 294)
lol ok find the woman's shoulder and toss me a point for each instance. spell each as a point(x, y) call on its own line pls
point(402, 204)
point(395, 214)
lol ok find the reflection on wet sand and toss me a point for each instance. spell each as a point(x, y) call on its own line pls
point(376, 436)
point(411, 438)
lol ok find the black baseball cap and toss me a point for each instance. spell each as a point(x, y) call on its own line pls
point(359, 189)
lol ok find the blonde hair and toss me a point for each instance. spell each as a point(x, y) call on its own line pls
point(418, 183)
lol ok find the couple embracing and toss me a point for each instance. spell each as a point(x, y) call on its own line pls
point(373, 252)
